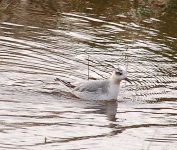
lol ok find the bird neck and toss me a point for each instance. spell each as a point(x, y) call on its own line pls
point(114, 80)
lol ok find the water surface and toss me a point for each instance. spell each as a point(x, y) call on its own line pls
point(42, 40)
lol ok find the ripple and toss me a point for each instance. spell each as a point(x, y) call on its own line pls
point(59, 39)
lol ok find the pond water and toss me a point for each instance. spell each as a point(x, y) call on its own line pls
point(44, 40)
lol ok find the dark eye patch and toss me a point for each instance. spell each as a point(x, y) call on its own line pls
point(118, 73)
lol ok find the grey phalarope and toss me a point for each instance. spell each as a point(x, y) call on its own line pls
point(101, 89)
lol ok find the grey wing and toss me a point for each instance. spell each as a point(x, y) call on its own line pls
point(93, 87)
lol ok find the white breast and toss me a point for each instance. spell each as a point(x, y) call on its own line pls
point(113, 91)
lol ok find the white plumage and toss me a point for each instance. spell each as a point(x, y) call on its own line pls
point(101, 89)
point(97, 90)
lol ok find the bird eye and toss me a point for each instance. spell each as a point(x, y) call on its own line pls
point(119, 73)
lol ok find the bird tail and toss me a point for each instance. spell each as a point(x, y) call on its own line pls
point(67, 85)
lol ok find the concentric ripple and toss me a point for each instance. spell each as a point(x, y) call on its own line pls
point(42, 41)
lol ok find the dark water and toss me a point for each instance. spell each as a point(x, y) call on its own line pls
point(42, 40)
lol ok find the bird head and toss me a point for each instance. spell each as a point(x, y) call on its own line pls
point(119, 73)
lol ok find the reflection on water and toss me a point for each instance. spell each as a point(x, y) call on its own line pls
point(42, 40)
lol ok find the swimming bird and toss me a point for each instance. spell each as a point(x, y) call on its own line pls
point(100, 89)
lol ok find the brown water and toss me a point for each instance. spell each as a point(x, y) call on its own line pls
point(42, 40)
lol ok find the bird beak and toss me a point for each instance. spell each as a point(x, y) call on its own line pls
point(127, 79)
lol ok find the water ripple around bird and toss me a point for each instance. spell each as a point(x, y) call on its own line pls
point(40, 42)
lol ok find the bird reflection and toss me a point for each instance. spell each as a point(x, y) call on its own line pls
point(111, 110)
point(108, 108)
